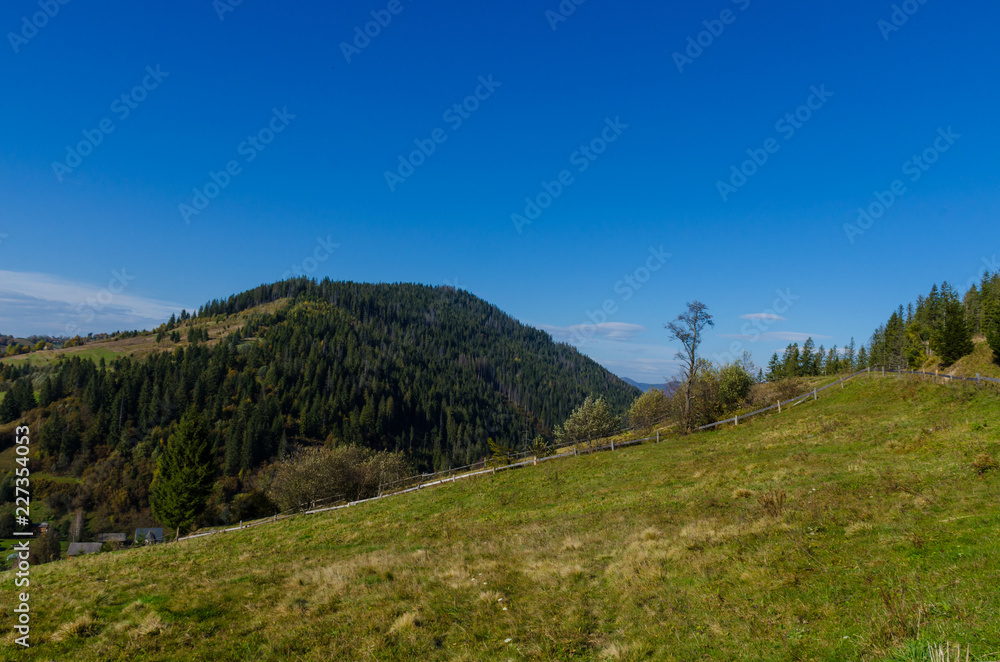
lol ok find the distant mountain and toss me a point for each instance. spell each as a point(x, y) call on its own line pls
point(433, 372)
point(667, 388)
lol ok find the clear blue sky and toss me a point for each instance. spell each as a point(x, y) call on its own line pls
point(106, 245)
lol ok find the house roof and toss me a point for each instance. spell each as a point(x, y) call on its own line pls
point(109, 537)
point(76, 548)
point(141, 534)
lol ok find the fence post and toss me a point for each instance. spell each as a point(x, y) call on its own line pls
point(535, 461)
point(576, 451)
point(612, 443)
point(815, 395)
point(657, 436)
point(779, 406)
point(841, 383)
point(736, 420)
point(979, 379)
point(883, 371)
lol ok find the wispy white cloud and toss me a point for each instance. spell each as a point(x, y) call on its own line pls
point(783, 336)
point(44, 304)
point(617, 331)
point(766, 317)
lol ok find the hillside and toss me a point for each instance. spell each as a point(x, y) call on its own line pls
point(432, 372)
point(851, 528)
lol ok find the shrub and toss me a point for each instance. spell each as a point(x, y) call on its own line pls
point(351, 472)
point(250, 506)
point(734, 387)
point(591, 420)
point(648, 409)
point(540, 447)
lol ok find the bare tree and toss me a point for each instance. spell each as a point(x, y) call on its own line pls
point(687, 329)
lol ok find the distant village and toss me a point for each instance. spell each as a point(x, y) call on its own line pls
point(104, 542)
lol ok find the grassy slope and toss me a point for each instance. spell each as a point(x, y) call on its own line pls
point(887, 536)
point(145, 345)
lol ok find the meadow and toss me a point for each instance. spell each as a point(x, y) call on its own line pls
point(862, 526)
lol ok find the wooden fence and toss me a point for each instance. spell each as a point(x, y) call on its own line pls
point(530, 458)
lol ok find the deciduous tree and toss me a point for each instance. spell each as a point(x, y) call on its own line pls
point(687, 329)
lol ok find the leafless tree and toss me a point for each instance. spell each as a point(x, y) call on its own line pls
point(687, 329)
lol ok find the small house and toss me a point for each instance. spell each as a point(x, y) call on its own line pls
point(81, 548)
point(148, 536)
point(111, 537)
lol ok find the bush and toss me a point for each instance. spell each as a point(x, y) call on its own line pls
point(250, 506)
point(734, 387)
point(350, 472)
point(648, 409)
point(590, 421)
point(111, 546)
point(540, 447)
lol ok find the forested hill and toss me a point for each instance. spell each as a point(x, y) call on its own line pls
point(435, 372)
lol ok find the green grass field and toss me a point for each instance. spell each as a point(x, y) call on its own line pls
point(94, 353)
point(144, 345)
point(852, 528)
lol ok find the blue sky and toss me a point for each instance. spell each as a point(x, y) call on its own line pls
point(635, 147)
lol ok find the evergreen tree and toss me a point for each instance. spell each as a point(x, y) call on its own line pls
point(954, 340)
point(184, 475)
point(807, 365)
point(790, 361)
point(863, 359)
point(774, 368)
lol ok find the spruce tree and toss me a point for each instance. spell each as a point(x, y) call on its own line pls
point(775, 368)
point(184, 475)
point(954, 340)
point(806, 367)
